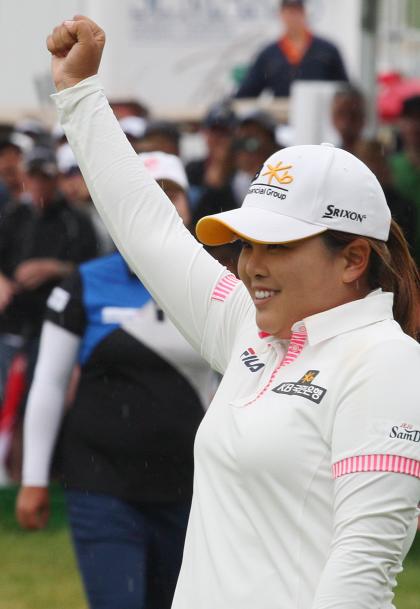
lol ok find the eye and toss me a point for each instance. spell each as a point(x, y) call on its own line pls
point(277, 246)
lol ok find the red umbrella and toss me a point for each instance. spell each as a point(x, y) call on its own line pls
point(393, 90)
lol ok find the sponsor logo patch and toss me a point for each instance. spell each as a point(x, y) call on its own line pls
point(335, 212)
point(279, 174)
point(251, 360)
point(303, 388)
point(405, 431)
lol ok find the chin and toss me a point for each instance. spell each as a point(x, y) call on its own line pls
point(267, 325)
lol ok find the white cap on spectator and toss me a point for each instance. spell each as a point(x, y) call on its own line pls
point(303, 191)
point(66, 161)
point(163, 166)
point(133, 126)
point(22, 141)
point(57, 132)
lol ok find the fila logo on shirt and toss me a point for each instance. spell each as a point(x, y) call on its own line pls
point(251, 361)
point(303, 388)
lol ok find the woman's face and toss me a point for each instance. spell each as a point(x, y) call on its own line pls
point(290, 282)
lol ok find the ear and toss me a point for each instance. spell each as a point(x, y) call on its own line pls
point(356, 257)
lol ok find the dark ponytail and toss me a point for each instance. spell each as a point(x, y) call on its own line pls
point(391, 268)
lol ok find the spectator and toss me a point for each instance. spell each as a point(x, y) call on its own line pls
point(403, 210)
point(11, 167)
point(162, 136)
point(298, 55)
point(348, 116)
point(40, 242)
point(74, 188)
point(35, 130)
point(215, 171)
point(134, 128)
point(127, 442)
point(405, 165)
point(123, 108)
point(254, 140)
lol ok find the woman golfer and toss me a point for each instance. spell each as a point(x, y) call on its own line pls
point(307, 463)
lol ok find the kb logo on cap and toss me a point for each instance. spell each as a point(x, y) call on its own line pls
point(279, 172)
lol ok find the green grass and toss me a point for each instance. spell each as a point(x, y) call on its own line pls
point(38, 570)
point(407, 594)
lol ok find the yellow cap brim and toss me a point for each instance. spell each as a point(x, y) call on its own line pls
point(253, 224)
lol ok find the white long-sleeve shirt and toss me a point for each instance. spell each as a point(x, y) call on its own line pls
point(307, 462)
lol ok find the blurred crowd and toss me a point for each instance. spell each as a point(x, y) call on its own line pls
point(49, 225)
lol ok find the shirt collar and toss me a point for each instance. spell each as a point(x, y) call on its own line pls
point(375, 307)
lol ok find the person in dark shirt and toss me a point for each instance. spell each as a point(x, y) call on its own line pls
point(298, 55)
point(405, 163)
point(214, 172)
point(127, 441)
point(11, 170)
point(403, 210)
point(41, 240)
point(348, 116)
point(254, 140)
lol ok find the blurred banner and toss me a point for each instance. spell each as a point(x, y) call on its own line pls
point(177, 56)
point(181, 53)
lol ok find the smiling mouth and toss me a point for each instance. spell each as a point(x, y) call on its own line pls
point(262, 296)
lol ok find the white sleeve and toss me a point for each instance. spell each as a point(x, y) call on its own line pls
point(145, 226)
point(45, 407)
point(374, 526)
point(376, 425)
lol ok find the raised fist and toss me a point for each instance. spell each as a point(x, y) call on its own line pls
point(76, 47)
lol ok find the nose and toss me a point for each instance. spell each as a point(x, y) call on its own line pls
point(255, 265)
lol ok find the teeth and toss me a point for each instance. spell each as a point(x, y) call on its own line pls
point(263, 294)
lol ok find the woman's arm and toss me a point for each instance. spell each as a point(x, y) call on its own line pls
point(142, 221)
point(376, 466)
point(374, 526)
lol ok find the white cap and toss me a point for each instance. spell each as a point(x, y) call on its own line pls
point(66, 161)
point(57, 132)
point(303, 191)
point(163, 166)
point(133, 126)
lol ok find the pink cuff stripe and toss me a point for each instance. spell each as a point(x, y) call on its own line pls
point(224, 287)
point(376, 463)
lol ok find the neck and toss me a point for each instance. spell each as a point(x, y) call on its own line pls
point(298, 35)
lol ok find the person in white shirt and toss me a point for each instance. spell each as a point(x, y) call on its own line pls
point(307, 463)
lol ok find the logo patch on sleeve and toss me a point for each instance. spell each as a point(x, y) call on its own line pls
point(58, 300)
point(405, 431)
point(303, 388)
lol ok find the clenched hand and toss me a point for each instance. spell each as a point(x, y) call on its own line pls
point(76, 47)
